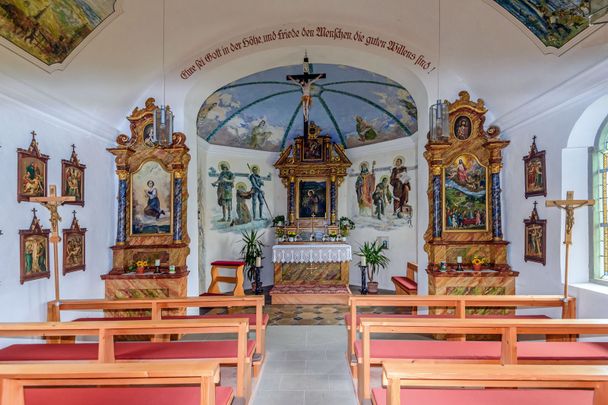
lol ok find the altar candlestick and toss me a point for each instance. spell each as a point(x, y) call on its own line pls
point(258, 261)
point(363, 261)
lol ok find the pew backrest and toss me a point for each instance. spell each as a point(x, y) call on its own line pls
point(15, 378)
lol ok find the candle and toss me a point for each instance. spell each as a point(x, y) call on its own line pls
point(363, 261)
point(258, 261)
point(157, 262)
point(459, 259)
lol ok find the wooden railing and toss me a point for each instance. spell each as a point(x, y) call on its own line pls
point(399, 374)
point(14, 378)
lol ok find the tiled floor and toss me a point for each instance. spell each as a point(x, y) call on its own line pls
point(305, 365)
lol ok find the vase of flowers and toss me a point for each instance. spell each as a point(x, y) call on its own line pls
point(291, 236)
point(141, 266)
point(477, 262)
point(345, 224)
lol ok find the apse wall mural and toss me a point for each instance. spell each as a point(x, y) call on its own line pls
point(262, 111)
point(50, 30)
point(553, 22)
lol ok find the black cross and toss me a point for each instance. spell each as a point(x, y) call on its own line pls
point(535, 204)
point(34, 210)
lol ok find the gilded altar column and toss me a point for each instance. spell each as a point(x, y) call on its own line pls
point(437, 214)
point(291, 200)
point(177, 206)
point(121, 227)
point(496, 205)
point(332, 218)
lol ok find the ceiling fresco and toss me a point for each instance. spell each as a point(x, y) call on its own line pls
point(49, 30)
point(263, 111)
point(553, 22)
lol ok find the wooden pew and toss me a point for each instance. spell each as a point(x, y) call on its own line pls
point(159, 308)
point(508, 351)
point(458, 304)
point(581, 385)
point(109, 351)
point(124, 383)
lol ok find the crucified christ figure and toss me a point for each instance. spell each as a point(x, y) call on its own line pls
point(305, 82)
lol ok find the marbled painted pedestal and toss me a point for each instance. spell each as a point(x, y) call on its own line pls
point(487, 282)
point(144, 286)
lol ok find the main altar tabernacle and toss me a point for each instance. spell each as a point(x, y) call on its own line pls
point(311, 270)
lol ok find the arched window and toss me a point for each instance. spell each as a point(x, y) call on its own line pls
point(600, 215)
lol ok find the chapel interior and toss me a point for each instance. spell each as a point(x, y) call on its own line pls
point(304, 203)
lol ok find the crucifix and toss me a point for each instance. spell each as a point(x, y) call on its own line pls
point(569, 205)
point(52, 202)
point(305, 81)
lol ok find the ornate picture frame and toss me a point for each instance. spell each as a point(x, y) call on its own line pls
point(31, 172)
point(72, 178)
point(535, 238)
point(151, 199)
point(34, 251)
point(312, 197)
point(74, 247)
point(535, 172)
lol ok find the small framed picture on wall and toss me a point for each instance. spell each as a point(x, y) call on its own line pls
point(535, 172)
point(535, 238)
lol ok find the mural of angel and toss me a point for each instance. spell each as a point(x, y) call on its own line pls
point(259, 135)
point(365, 130)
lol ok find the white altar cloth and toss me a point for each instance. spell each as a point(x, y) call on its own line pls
point(312, 253)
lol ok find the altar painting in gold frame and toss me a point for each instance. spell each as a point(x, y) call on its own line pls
point(151, 210)
point(312, 198)
point(465, 195)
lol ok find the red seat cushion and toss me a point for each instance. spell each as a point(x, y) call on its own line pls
point(405, 282)
point(228, 263)
point(398, 316)
point(250, 317)
point(413, 396)
point(562, 351)
point(219, 349)
point(430, 349)
point(168, 395)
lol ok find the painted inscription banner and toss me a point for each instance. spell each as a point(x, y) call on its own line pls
point(308, 32)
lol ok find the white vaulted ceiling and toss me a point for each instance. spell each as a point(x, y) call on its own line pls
point(481, 51)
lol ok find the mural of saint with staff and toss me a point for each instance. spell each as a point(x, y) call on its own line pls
point(365, 185)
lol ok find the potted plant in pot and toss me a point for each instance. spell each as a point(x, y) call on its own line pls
point(251, 250)
point(376, 260)
point(345, 224)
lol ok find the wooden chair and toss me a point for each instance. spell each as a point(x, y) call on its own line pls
point(407, 285)
point(237, 280)
point(581, 385)
point(37, 384)
point(237, 352)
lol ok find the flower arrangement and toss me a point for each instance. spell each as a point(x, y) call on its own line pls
point(478, 261)
point(141, 263)
point(291, 234)
point(346, 224)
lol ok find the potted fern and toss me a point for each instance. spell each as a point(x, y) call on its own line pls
point(376, 260)
point(251, 250)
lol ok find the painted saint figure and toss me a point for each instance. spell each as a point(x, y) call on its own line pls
point(382, 196)
point(312, 203)
point(73, 183)
point(33, 183)
point(242, 210)
point(153, 207)
point(259, 135)
point(257, 194)
point(462, 172)
point(365, 184)
point(365, 130)
point(224, 184)
point(401, 186)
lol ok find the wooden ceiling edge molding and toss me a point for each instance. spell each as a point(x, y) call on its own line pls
point(547, 50)
point(118, 10)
